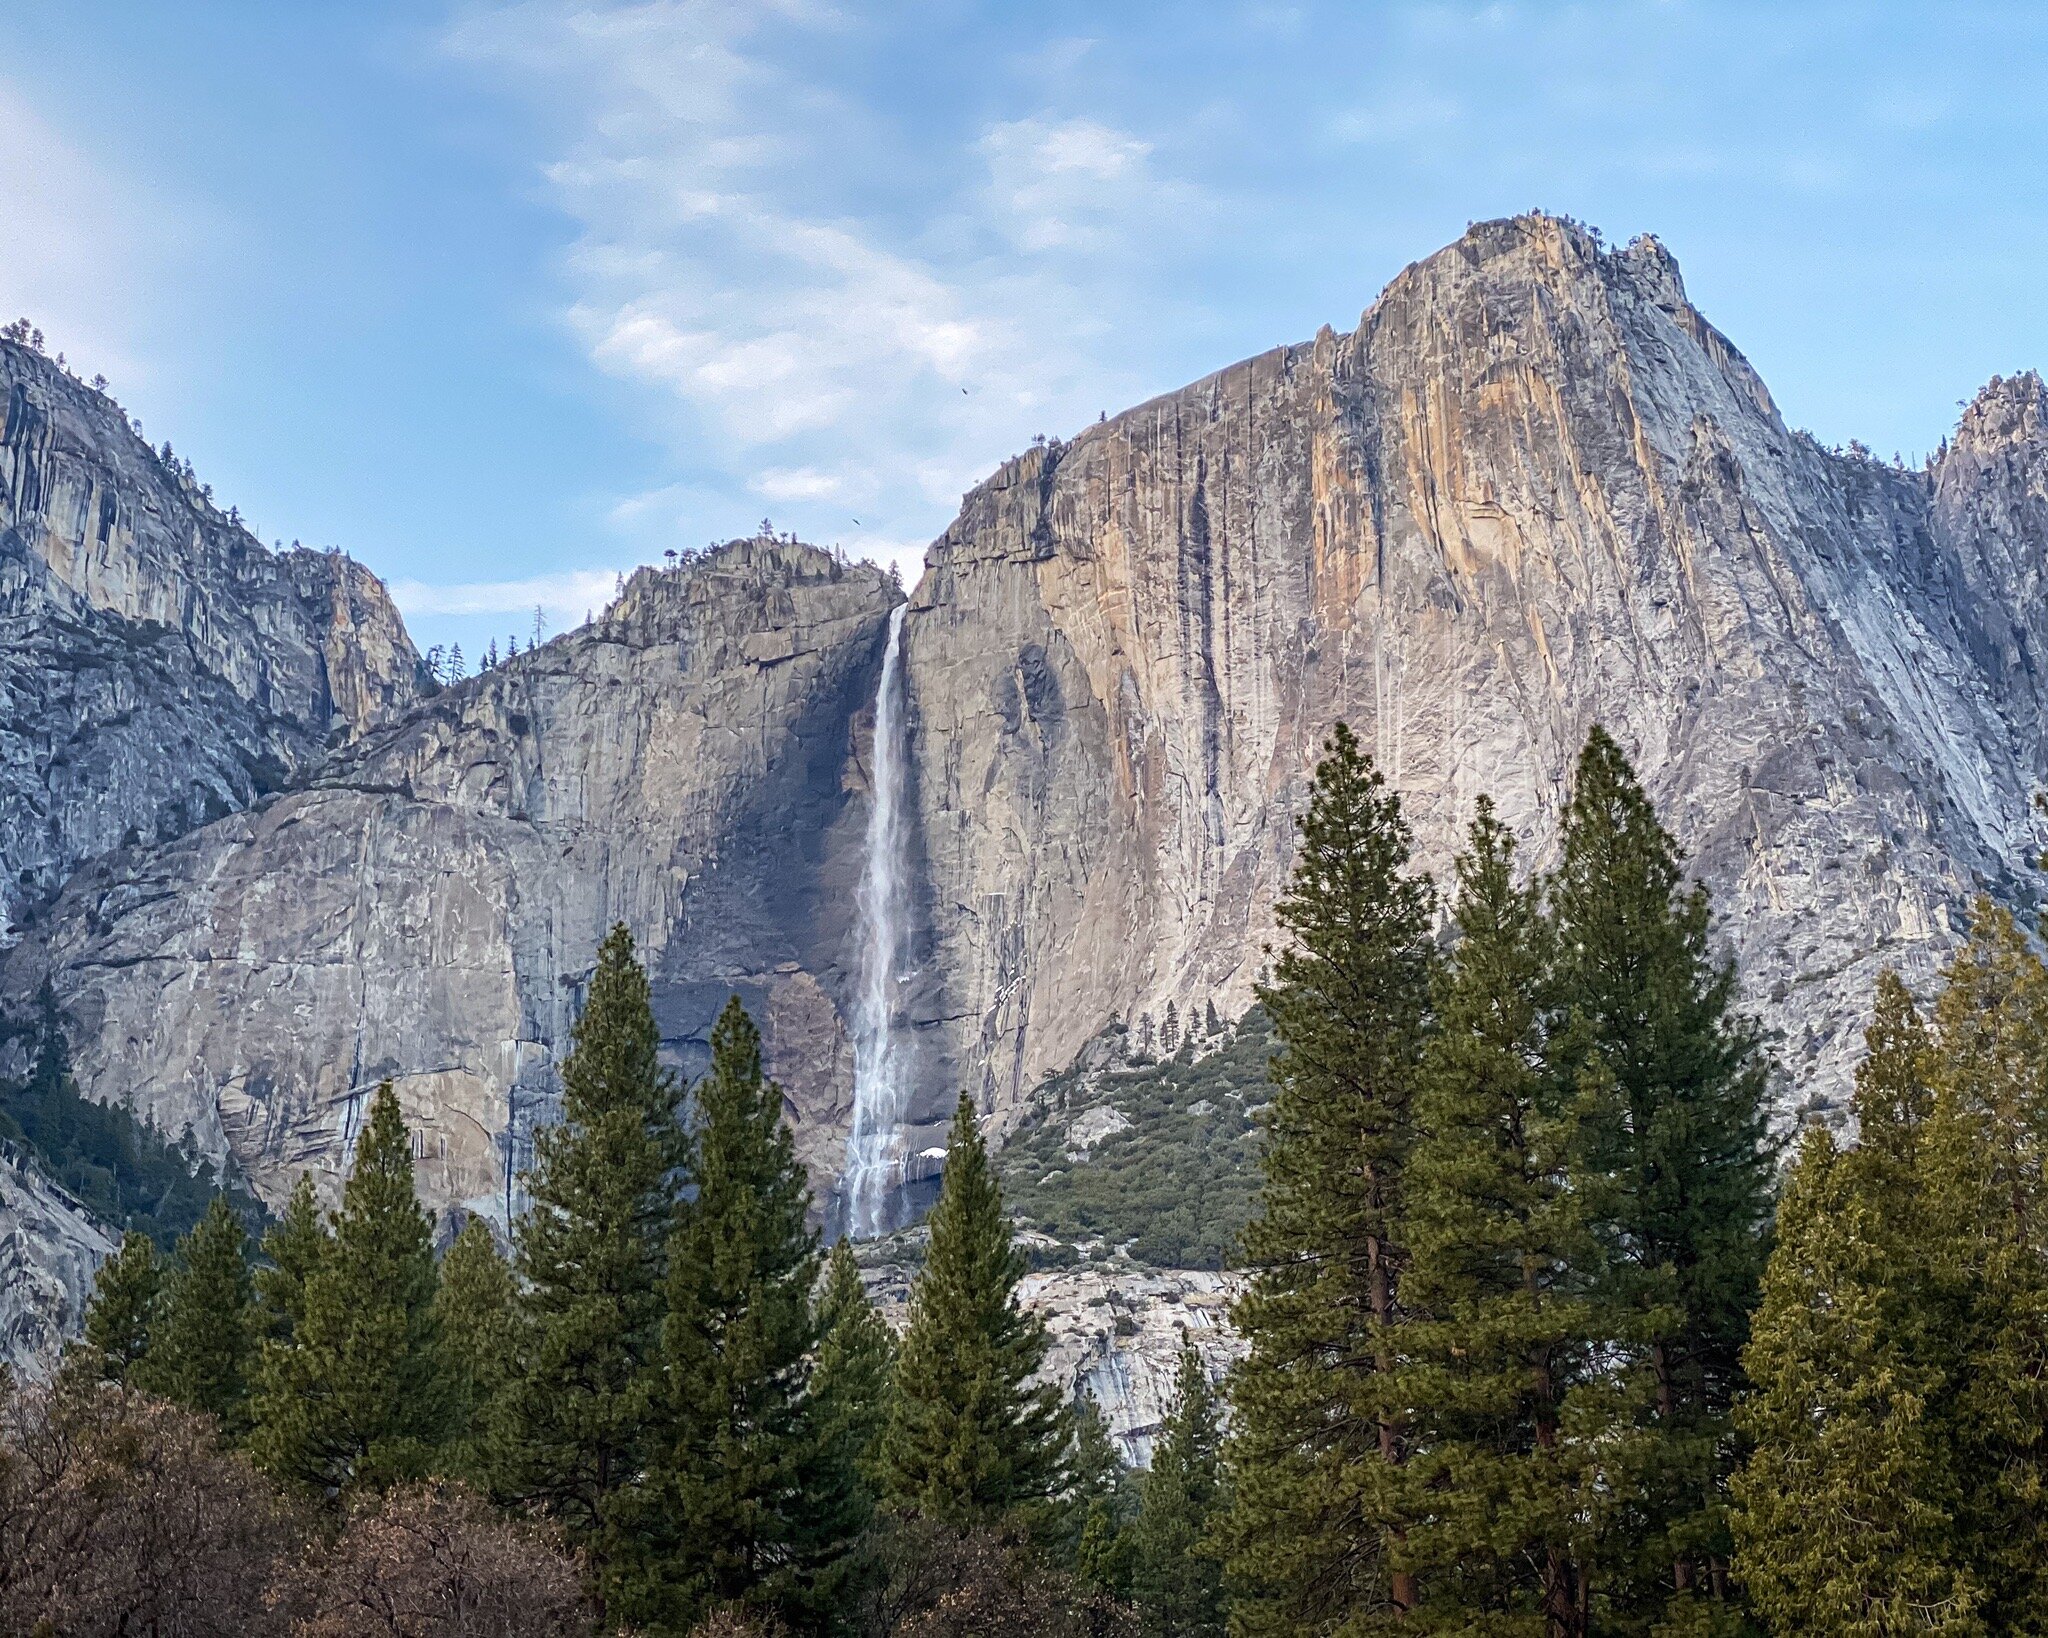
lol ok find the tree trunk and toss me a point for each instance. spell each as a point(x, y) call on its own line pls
point(1403, 1589)
point(1667, 1407)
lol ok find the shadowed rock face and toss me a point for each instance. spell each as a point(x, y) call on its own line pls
point(428, 908)
point(50, 1249)
point(158, 667)
point(1533, 491)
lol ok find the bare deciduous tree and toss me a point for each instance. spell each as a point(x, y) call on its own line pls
point(121, 1514)
point(434, 1561)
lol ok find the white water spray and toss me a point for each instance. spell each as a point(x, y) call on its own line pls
point(881, 1090)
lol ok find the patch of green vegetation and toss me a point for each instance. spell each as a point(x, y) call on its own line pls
point(123, 1171)
point(1179, 1182)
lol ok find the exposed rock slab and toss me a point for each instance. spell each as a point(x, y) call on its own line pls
point(1533, 491)
point(1115, 1332)
point(158, 666)
point(50, 1249)
point(428, 909)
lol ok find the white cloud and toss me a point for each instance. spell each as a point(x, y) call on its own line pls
point(824, 308)
point(78, 245)
point(564, 598)
point(1059, 184)
point(799, 483)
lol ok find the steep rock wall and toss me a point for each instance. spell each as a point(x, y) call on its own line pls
point(158, 666)
point(1533, 491)
point(50, 1249)
point(429, 907)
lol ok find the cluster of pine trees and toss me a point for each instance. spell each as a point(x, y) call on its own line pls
point(671, 1372)
point(1537, 1347)
point(1514, 1219)
point(1537, 1344)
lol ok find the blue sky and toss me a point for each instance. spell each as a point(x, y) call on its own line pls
point(504, 299)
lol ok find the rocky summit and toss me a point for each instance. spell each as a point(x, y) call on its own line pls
point(263, 865)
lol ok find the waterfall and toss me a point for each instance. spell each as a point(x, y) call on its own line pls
point(881, 1089)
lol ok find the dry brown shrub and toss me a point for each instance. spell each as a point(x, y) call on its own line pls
point(434, 1561)
point(935, 1581)
point(731, 1623)
point(121, 1514)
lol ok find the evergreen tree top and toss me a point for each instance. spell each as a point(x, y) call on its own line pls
point(379, 1202)
point(973, 1265)
point(970, 1436)
point(1893, 1095)
point(615, 1062)
point(1350, 871)
point(123, 1306)
point(292, 1251)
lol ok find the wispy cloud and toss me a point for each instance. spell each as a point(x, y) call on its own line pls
point(80, 243)
point(562, 598)
point(815, 335)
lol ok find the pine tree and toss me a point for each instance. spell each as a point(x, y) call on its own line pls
point(1169, 1033)
point(856, 1360)
point(358, 1397)
point(476, 1307)
point(1315, 1436)
point(744, 1509)
point(1498, 1244)
point(1096, 1499)
point(1846, 1511)
point(970, 1440)
point(1176, 1577)
point(572, 1429)
point(1212, 1026)
point(123, 1307)
point(1677, 1154)
point(292, 1251)
point(1982, 1156)
point(203, 1344)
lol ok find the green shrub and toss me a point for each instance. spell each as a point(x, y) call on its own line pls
point(1178, 1183)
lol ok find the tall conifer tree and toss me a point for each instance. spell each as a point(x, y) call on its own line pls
point(123, 1306)
point(1176, 1577)
point(476, 1306)
point(292, 1250)
point(1495, 1501)
point(1984, 1150)
point(856, 1360)
point(1678, 1157)
point(1098, 1501)
point(1317, 1434)
point(1846, 1511)
point(970, 1439)
point(203, 1347)
point(573, 1429)
point(745, 1510)
point(358, 1397)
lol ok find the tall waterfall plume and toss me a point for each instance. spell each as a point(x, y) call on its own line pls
point(872, 1187)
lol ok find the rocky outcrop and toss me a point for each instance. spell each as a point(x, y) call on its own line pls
point(1533, 491)
point(158, 666)
point(1114, 1331)
point(428, 908)
point(50, 1249)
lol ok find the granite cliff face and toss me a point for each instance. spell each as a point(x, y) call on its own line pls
point(1533, 491)
point(158, 666)
point(428, 907)
point(50, 1249)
